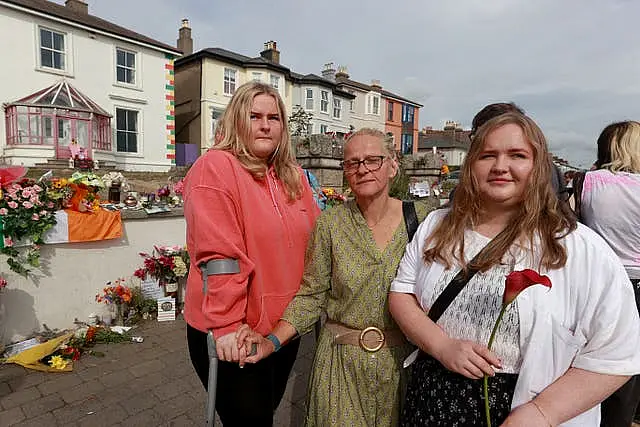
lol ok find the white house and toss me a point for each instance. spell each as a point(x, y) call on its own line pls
point(73, 78)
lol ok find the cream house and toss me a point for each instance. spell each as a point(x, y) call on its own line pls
point(74, 78)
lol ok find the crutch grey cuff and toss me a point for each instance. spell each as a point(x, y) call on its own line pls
point(216, 267)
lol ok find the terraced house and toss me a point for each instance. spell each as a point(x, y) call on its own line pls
point(206, 80)
point(74, 78)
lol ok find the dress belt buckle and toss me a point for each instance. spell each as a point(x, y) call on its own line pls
point(380, 340)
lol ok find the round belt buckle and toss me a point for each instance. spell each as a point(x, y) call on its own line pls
point(380, 340)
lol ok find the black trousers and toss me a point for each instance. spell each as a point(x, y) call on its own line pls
point(619, 409)
point(247, 396)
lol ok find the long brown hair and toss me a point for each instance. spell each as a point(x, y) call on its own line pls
point(234, 133)
point(540, 215)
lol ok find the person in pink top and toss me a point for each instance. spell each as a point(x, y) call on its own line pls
point(249, 209)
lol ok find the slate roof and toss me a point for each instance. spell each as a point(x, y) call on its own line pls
point(60, 11)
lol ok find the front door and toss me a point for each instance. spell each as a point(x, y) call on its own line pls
point(72, 131)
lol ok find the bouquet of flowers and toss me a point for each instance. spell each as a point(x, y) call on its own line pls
point(116, 293)
point(166, 264)
point(111, 178)
point(27, 213)
point(332, 197)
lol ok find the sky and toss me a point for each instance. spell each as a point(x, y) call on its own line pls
point(573, 65)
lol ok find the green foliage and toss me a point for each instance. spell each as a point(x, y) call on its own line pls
point(142, 306)
point(400, 184)
point(299, 121)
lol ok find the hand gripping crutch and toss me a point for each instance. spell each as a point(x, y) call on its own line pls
point(214, 267)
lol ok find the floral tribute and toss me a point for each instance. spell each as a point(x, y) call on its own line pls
point(116, 293)
point(80, 192)
point(332, 197)
point(516, 282)
point(26, 212)
point(166, 264)
point(116, 178)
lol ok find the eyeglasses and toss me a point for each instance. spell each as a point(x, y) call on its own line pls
point(371, 163)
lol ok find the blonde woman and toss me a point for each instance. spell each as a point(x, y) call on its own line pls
point(248, 205)
point(353, 254)
point(610, 205)
point(559, 352)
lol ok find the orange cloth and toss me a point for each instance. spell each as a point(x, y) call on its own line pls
point(230, 214)
point(100, 225)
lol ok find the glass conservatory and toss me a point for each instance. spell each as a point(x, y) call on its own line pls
point(58, 116)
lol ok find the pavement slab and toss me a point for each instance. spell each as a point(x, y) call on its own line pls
point(135, 384)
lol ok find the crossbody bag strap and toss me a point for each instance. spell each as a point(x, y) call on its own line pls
point(456, 285)
point(410, 217)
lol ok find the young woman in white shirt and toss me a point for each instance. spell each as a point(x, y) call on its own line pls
point(559, 352)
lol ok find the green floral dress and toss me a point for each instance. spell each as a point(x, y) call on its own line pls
point(348, 277)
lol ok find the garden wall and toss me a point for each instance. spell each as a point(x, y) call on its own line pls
point(73, 273)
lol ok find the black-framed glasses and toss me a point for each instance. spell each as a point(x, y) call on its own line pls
point(371, 163)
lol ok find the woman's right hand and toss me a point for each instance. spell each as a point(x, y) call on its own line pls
point(247, 337)
point(467, 358)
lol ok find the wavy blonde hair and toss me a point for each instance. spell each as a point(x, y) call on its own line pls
point(619, 147)
point(234, 134)
point(541, 215)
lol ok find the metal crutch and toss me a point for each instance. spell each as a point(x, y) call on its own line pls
point(213, 379)
point(214, 267)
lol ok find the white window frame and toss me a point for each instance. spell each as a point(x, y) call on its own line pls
point(372, 108)
point(68, 47)
point(275, 82)
point(229, 81)
point(337, 108)
point(135, 69)
point(324, 101)
point(308, 102)
point(324, 129)
point(256, 76)
point(139, 151)
point(352, 105)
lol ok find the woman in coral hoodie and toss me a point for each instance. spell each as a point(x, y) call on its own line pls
point(250, 211)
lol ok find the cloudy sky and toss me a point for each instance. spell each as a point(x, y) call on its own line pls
point(573, 65)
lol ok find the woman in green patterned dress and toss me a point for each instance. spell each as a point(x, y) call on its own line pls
point(351, 259)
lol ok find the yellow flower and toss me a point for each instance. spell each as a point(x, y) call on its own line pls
point(57, 362)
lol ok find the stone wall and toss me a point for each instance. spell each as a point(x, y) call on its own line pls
point(321, 155)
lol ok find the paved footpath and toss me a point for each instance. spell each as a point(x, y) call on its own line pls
point(135, 384)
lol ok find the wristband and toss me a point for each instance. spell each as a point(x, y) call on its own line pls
point(276, 342)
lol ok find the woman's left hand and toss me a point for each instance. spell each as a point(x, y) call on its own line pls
point(526, 415)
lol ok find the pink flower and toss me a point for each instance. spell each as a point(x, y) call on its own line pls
point(8, 242)
point(34, 199)
point(35, 217)
point(43, 213)
point(12, 205)
point(50, 205)
point(14, 196)
point(26, 193)
point(3, 283)
point(4, 211)
point(27, 204)
point(37, 188)
point(518, 281)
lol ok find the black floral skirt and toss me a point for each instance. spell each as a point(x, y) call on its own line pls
point(438, 397)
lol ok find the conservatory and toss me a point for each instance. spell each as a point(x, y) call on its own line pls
point(58, 116)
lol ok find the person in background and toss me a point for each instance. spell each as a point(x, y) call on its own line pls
point(353, 254)
point(248, 209)
point(558, 352)
point(610, 204)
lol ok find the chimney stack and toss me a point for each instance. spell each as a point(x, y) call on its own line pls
point(185, 42)
point(375, 85)
point(342, 73)
point(77, 6)
point(271, 52)
point(329, 71)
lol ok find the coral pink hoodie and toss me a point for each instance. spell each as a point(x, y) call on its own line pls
point(230, 214)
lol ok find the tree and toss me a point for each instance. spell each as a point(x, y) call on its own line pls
point(299, 121)
point(400, 183)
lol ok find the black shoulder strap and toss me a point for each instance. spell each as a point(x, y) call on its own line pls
point(410, 217)
point(456, 285)
point(578, 182)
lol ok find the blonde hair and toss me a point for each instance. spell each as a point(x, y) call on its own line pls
point(620, 143)
point(540, 214)
point(234, 133)
point(385, 141)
